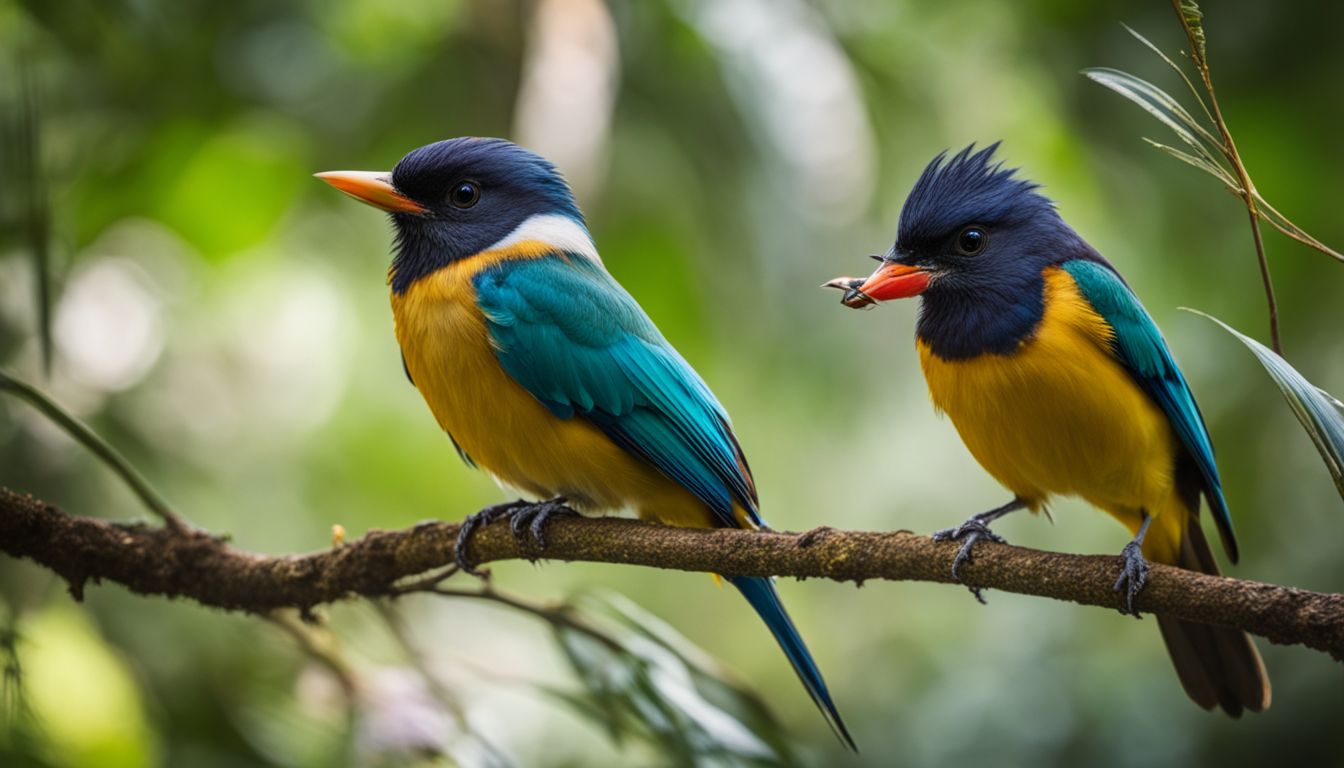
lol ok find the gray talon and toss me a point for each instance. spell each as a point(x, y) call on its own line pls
point(524, 518)
point(973, 530)
point(1133, 577)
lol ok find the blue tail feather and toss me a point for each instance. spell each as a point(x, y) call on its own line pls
point(763, 597)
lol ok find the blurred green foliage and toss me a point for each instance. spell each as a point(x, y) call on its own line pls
point(221, 318)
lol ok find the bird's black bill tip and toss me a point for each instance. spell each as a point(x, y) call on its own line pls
point(853, 298)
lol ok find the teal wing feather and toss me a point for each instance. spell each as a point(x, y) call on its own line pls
point(570, 335)
point(1139, 344)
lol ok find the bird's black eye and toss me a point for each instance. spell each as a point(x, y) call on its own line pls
point(464, 194)
point(972, 241)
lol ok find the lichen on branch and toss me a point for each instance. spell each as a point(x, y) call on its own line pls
point(201, 566)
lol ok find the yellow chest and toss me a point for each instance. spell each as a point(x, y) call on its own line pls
point(1060, 415)
point(446, 346)
point(499, 424)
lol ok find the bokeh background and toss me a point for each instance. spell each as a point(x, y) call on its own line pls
point(222, 317)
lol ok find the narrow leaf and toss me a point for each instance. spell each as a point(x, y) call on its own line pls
point(1320, 414)
point(1216, 171)
point(1281, 223)
point(651, 683)
point(1188, 82)
point(1153, 100)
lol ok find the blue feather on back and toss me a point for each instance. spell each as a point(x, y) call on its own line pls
point(570, 335)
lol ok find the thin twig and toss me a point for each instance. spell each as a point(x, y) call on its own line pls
point(397, 628)
point(558, 615)
point(1281, 223)
point(425, 582)
point(1180, 71)
point(1229, 149)
point(96, 445)
point(323, 652)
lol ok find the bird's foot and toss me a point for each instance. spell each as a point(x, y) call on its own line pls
point(471, 523)
point(1133, 575)
point(534, 517)
point(525, 518)
point(969, 532)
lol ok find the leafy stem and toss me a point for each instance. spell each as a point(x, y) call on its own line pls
point(1212, 151)
point(1189, 15)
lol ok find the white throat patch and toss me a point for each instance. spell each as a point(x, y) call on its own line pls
point(560, 232)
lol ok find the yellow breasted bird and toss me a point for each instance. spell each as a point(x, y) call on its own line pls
point(543, 371)
point(1060, 383)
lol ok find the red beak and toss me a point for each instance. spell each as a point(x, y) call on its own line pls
point(372, 188)
point(892, 280)
point(895, 281)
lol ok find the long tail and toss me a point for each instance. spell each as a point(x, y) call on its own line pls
point(763, 597)
point(1218, 666)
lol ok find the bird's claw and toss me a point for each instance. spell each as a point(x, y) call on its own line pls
point(971, 531)
point(470, 524)
point(524, 518)
point(534, 517)
point(1133, 576)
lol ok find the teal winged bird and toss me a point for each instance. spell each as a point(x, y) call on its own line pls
point(544, 371)
point(1059, 383)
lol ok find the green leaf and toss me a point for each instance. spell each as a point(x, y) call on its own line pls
point(711, 680)
point(1321, 414)
point(603, 676)
point(645, 681)
point(1155, 102)
point(1216, 171)
point(1188, 83)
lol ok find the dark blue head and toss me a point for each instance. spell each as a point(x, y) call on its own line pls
point(455, 198)
point(973, 240)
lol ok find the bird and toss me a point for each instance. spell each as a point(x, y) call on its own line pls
point(1059, 383)
point(544, 372)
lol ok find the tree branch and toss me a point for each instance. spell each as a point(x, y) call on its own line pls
point(200, 566)
point(95, 444)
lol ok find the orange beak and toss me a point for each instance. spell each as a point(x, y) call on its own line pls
point(892, 280)
point(373, 188)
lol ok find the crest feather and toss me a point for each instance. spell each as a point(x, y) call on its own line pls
point(968, 188)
